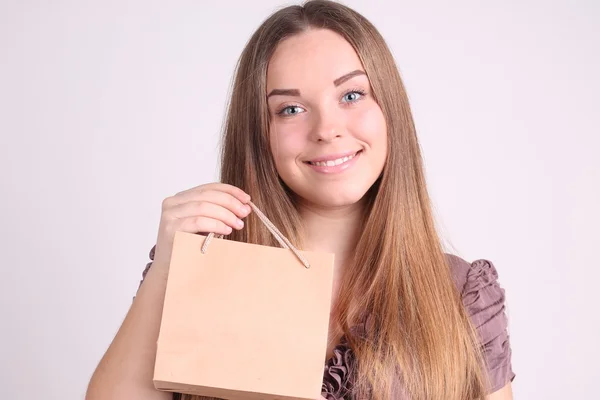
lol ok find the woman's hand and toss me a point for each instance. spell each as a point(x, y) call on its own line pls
point(215, 207)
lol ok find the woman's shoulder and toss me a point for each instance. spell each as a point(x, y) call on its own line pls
point(484, 300)
point(482, 295)
point(471, 275)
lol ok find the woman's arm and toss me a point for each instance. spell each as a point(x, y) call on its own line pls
point(127, 368)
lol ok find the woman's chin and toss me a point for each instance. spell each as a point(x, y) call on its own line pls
point(335, 199)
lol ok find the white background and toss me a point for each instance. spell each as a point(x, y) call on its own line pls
point(108, 107)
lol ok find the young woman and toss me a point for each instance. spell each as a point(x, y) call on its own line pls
point(320, 136)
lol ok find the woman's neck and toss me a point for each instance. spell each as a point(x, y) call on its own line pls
point(332, 230)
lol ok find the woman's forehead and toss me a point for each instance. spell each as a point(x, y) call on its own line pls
point(316, 56)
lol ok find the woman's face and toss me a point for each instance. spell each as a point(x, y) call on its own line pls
point(327, 133)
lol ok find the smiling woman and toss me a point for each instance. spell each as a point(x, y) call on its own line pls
point(319, 132)
point(336, 132)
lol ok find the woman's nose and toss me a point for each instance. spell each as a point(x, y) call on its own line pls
point(327, 127)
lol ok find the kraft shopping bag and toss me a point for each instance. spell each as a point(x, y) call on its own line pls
point(244, 321)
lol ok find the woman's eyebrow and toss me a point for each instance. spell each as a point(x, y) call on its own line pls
point(296, 92)
point(284, 92)
point(348, 76)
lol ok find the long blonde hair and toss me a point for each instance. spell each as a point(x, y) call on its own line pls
point(399, 273)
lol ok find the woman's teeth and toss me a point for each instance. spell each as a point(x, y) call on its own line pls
point(333, 163)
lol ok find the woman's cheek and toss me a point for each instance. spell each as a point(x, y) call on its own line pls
point(288, 143)
point(368, 124)
point(290, 140)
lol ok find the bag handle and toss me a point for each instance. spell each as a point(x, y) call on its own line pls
point(283, 241)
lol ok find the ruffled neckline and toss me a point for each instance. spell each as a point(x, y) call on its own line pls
point(338, 373)
point(340, 370)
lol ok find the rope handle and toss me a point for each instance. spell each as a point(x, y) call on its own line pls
point(283, 241)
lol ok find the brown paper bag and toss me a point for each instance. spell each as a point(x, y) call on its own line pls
point(243, 321)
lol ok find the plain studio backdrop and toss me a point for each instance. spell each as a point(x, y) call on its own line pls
point(108, 107)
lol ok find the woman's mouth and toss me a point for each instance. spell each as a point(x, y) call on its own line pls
point(335, 163)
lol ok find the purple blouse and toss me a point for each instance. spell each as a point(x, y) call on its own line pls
point(483, 299)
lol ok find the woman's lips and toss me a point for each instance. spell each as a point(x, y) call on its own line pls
point(335, 163)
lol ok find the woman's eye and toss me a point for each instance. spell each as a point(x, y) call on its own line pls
point(291, 110)
point(352, 96)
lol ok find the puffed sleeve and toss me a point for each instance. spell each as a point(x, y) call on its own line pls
point(484, 301)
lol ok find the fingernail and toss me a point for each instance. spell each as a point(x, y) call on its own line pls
point(245, 210)
point(239, 223)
